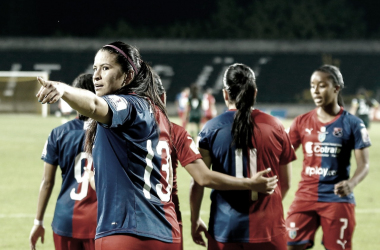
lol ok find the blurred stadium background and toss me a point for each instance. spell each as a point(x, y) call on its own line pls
point(185, 42)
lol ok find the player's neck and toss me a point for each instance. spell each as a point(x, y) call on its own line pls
point(328, 113)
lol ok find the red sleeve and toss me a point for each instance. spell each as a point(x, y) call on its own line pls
point(288, 154)
point(184, 145)
point(294, 134)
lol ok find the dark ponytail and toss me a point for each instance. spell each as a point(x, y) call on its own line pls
point(240, 83)
point(142, 83)
point(336, 78)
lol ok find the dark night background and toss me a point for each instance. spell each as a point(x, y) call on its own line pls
point(267, 19)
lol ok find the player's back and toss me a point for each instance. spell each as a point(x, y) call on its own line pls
point(75, 212)
point(234, 215)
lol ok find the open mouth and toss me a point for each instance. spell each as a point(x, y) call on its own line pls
point(98, 86)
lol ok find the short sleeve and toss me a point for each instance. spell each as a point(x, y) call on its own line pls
point(203, 139)
point(121, 110)
point(288, 154)
point(184, 144)
point(294, 135)
point(50, 152)
point(361, 136)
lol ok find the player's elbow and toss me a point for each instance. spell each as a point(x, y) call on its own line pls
point(47, 184)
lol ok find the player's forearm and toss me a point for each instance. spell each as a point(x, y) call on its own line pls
point(359, 175)
point(205, 177)
point(285, 178)
point(87, 103)
point(46, 189)
point(196, 196)
point(362, 169)
point(219, 181)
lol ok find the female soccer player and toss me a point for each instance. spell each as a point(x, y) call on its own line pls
point(241, 142)
point(324, 197)
point(186, 152)
point(131, 150)
point(74, 220)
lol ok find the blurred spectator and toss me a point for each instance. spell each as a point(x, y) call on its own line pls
point(362, 105)
point(181, 103)
point(208, 106)
point(194, 111)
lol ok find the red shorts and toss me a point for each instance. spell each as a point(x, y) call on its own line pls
point(68, 243)
point(276, 243)
point(337, 221)
point(129, 242)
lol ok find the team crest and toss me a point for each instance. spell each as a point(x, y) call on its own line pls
point(292, 234)
point(338, 132)
point(322, 134)
point(292, 230)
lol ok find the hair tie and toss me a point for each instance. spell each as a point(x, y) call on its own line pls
point(125, 55)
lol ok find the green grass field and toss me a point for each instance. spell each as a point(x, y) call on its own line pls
point(22, 138)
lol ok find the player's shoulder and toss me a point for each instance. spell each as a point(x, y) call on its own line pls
point(220, 121)
point(353, 120)
point(177, 129)
point(262, 117)
point(75, 124)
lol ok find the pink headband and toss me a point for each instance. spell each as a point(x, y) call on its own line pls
point(122, 52)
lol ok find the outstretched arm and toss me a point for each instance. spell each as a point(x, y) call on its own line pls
point(84, 101)
point(46, 188)
point(345, 187)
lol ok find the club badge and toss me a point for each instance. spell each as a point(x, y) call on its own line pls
point(338, 132)
point(292, 230)
point(322, 134)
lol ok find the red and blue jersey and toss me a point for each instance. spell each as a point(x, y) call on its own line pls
point(133, 172)
point(327, 151)
point(185, 151)
point(75, 211)
point(234, 215)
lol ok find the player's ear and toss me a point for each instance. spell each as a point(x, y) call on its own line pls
point(225, 95)
point(336, 89)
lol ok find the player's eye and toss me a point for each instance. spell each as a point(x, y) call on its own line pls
point(105, 68)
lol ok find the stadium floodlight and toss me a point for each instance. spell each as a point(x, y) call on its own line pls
point(18, 91)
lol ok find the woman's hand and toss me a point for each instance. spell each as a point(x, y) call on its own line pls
point(50, 91)
point(38, 231)
point(343, 188)
point(263, 184)
point(197, 228)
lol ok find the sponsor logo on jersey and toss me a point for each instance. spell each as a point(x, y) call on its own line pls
point(322, 134)
point(365, 135)
point(322, 148)
point(118, 102)
point(307, 130)
point(319, 171)
point(338, 132)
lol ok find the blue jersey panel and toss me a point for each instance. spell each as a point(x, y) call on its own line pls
point(337, 140)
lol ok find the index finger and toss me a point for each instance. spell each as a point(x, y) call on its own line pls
point(41, 81)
